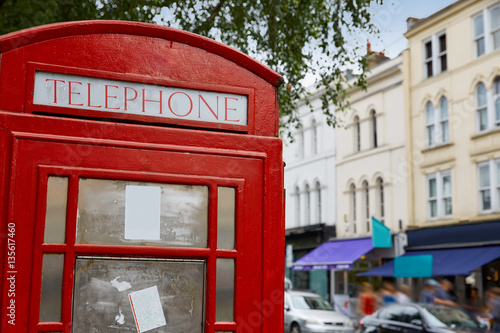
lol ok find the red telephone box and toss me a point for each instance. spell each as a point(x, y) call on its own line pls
point(141, 185)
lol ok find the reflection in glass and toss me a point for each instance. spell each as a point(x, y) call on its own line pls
point(55, 214)
point(50, 296)
point(102, 287)
point(226, 215)
point(101, 214)
point(224, 310)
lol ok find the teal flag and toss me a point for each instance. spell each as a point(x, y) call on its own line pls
point(381, 235)
point(419, 266)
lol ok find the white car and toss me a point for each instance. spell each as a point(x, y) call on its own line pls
point(307, 312)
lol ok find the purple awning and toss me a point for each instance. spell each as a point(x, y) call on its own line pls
point(334, 255)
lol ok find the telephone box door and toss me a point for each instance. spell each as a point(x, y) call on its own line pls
point(134, 239)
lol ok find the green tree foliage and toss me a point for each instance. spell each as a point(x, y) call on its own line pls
point(293, 37)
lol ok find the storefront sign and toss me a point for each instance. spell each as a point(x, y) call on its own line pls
point(103, 95)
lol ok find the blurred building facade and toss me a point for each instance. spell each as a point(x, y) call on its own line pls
point(452, 84)
point(419, 151)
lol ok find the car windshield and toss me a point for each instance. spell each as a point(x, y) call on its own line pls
point(310, 303)
point(448, 317)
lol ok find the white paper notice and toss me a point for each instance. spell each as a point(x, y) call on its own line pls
point(146, 306)
point(142, 212)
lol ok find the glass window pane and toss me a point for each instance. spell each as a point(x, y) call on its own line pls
point(445, 133)
point(428, 50)
point(432, 188)
point(430, 135)
point(447, 186)
point(486, 200)
point(483, 119)
point(480, 95)
point(442, 43)
point(480, 47)
point(224, 310)
point(51, 293)
point(496, 40)
point(478, 25)
point(484, 176)
point(495, 18)
point(55, 214)
point(102, 214)
point(498, 173)
point(173, 292)
point(497, 109)
point(433, 208)
point(429, 113)
point(447, 206)
point(225, 217)
point(443, 107)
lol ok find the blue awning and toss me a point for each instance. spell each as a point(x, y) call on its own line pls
point(334, 255)
point(446, 262)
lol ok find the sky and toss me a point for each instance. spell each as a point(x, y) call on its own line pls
point(391, 17)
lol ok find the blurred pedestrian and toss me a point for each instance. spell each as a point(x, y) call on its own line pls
point(493, 297)
point(367, 300)
point(389, 293)
point(403, 295)
point(443, 294)
point(429, 291)
point(474, 303)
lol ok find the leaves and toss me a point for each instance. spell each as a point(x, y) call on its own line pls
point(293, 37)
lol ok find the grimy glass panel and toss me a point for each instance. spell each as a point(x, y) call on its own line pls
point(225, 217)
point(55, 214)
point(51, 293)
point(106, 217)
point(129, 295)
point(224, 310)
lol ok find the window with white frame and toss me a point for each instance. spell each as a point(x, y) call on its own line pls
point(353, 206)
point(302, 144)
point(308, 205)
point(486, 28)
point(297, 205)
point(318, 207)
point(366, 194)
point(435, 54)
point(437, 123)
point(380, 201)
point(439, 198)
point(357, 134)
point(314, 140)
point(488, 106)
point(373, 116)
point(489, 186)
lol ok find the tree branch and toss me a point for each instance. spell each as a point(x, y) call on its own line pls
point(212, 16)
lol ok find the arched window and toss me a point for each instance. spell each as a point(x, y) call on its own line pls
point(297, 206)
point(366, 195)
point(314, 137)
point(357, 134)
point(381, 200)
point(353, 207)
point(482, 107)
point(436, 122)
point(373, 117)
point(430, 126)
point(302, 144)
point(308, 205)
point(318, 191)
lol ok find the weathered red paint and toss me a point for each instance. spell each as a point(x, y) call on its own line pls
point(38, 141)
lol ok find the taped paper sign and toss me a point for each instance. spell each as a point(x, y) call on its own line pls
point(147, 310)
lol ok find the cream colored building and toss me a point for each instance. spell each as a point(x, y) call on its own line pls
point(452, 80)
point(452, 84)
point(371, 180)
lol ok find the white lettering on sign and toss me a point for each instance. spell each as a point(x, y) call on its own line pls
point(131, 98)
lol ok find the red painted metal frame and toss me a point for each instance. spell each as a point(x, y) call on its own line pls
point(37, 142)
